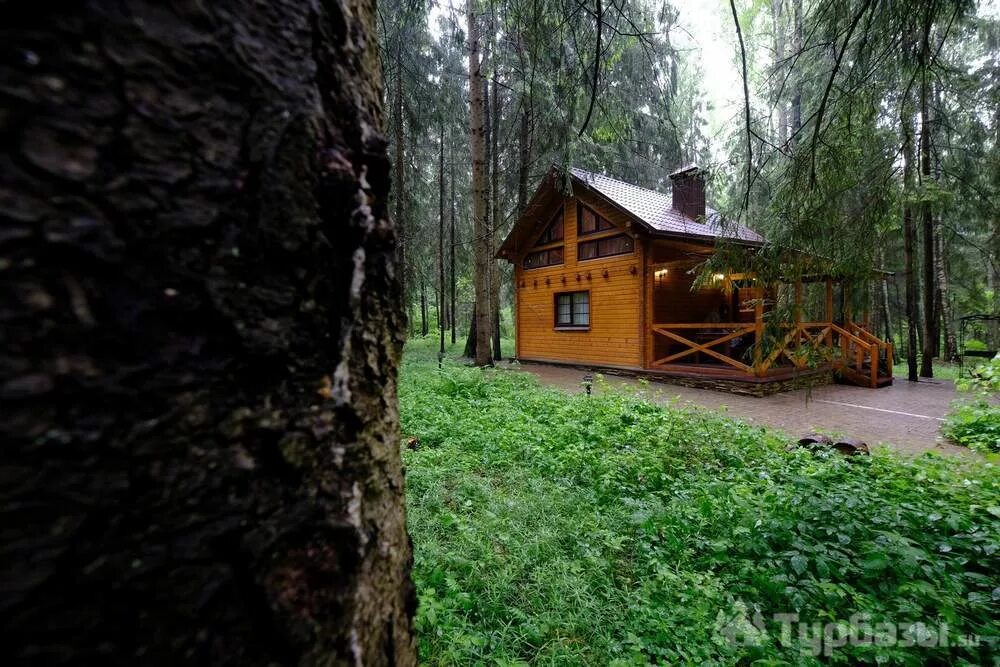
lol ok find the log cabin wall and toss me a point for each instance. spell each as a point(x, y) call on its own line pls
point(614, 283)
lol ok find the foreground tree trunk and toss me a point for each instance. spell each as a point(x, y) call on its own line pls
point(201, 332)
point(480, 227)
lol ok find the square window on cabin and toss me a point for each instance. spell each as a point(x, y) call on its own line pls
point(573, 310)
point(621, 244)
point(590, 222)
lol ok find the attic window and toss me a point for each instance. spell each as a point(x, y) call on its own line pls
point(534, 260)
point(620, 244)
point(590, 222)
point(554, 232)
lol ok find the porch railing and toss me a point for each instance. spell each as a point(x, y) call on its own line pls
point(710, 335)
point(848, 346)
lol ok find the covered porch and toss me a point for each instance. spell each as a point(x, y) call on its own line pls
point(733, 327)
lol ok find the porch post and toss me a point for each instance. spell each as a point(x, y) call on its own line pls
point(848, 314)
point(829, 311)
point(798, 315)
point(829, 301)
point(648, 296)
point(758, 333)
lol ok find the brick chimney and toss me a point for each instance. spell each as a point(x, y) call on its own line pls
point(688, 186)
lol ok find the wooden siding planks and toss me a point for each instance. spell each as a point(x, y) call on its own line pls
point(615, 286)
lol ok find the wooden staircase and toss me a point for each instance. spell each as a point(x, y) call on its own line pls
point(863, 378)
point(863, 359)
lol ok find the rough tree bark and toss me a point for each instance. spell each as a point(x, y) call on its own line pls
point(480, 329)
point(201, 331)
point(470, 340)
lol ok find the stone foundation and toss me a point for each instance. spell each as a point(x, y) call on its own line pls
point(766, 387)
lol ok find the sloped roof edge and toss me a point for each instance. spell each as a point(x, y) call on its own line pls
point(652, 210)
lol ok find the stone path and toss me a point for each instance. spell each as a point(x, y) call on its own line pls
point(906, 416)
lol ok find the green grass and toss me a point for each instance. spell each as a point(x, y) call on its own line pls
point(563, 530)
point(942, 370)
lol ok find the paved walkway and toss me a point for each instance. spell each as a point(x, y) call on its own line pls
point(906, 416)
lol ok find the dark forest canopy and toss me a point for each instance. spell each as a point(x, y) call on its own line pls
point(865, 135)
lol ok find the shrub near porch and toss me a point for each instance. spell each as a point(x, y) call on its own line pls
point(564, 529)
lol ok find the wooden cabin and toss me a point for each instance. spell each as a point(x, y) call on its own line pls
point(610, 276)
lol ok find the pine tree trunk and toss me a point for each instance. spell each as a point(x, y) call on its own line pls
point(480, 228)
point(796, 111)
point(926, 215)
point(946, 313)
point(442, 319)
point(909, 243)
point(884, 300)
point(778, 22)
point(200, 431)
point(399, 173)
point(495, 266)
point(524, 136)
point(470, 340)
point(451, 273)
point(524, 154)
point(945, 309)
point(424, 326)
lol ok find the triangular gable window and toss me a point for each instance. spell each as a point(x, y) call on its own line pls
point(554, 231)
point(591, 223)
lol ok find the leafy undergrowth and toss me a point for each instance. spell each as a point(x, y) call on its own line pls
point(975, 424)
point(557, 529)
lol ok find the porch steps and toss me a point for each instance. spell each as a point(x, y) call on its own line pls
point(864, 378)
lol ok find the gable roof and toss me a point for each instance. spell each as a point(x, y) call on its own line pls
point(653, 211)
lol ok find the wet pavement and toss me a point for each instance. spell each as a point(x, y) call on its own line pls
point(906, 416)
